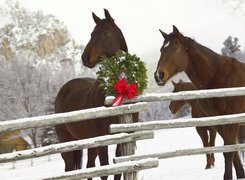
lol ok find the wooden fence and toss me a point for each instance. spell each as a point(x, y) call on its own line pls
point(125, 112)
point(181, 123)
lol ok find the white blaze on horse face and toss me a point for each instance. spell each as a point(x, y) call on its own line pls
point(157, 75)
point(166, 45)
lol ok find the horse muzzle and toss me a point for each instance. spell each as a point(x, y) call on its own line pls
point(86, 62)
point(159, 78)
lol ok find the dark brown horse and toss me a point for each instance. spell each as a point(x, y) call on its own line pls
point(83, 93)
point(207, 70)
point(241, 139)
point(207, 133)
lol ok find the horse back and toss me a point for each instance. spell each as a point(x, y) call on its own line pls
point(84, 93)
point(230, 74)
point(77, 94)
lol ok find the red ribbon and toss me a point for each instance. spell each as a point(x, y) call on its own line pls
point(123, 89)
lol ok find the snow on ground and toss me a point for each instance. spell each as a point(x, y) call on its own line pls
point(184, 168)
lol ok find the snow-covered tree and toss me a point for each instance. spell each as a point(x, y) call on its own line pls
point(28, 87)
point(49, 136)
point(37, 56)
point(231, 47)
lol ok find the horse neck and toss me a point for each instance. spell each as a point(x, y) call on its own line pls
point(123, 44)
point(202, 65)
point(184, 87)
point(124, 47)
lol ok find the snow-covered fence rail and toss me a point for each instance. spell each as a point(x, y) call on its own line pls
point(179, 123)
point(76, 145)
point(73, 116)
point(184, 95)
point(125, 112)
point(182, 152)
point(131, 166)
point(127, 140)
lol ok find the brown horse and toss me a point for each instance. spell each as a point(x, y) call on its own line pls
point(241, 139)
point(207, 70)
point(83, 93)
point(207, 133)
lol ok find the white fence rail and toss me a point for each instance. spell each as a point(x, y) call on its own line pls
point(125, 111)
point(76, 145)
point(179, 123)
point(131, 166)
point(184, 95)
point(182, 152)
point(73, 116)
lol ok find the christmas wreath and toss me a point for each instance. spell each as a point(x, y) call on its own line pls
point(122, 75)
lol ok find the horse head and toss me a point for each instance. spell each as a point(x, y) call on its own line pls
point(175, 106)
point(106, 39)
point(173, 58)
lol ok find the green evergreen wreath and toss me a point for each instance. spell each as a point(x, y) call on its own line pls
point(122, 65)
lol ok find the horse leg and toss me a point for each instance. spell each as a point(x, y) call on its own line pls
point(118, 153)
point(228, 164)
point(77, 156)
point(238, 166)
point(69, 161)
point(229, 139)
point(92, 154)
point(240, 139)
point(68, 157)
point(103, 156)
point(212, 135)
point(202, 131)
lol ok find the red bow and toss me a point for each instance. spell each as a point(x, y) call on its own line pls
point(123, 89)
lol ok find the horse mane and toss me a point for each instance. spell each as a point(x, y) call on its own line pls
point(191, 42)
point(122, 40)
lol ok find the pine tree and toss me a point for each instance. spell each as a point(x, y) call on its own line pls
point(231, 47)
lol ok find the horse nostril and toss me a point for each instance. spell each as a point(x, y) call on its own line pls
point(159, 78)
point(161, 75)
point(85, 59)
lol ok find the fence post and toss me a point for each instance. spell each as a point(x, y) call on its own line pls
point(128, 148)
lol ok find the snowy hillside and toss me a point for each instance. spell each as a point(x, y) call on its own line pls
point(27, 32)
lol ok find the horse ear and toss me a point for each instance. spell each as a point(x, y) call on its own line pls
point(163, 34)
point(175, 30)
point(174, 83)
point(108, 16)
point(177, 33)
point(96, 18)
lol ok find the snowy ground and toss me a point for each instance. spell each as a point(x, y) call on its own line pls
point(184, 168)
